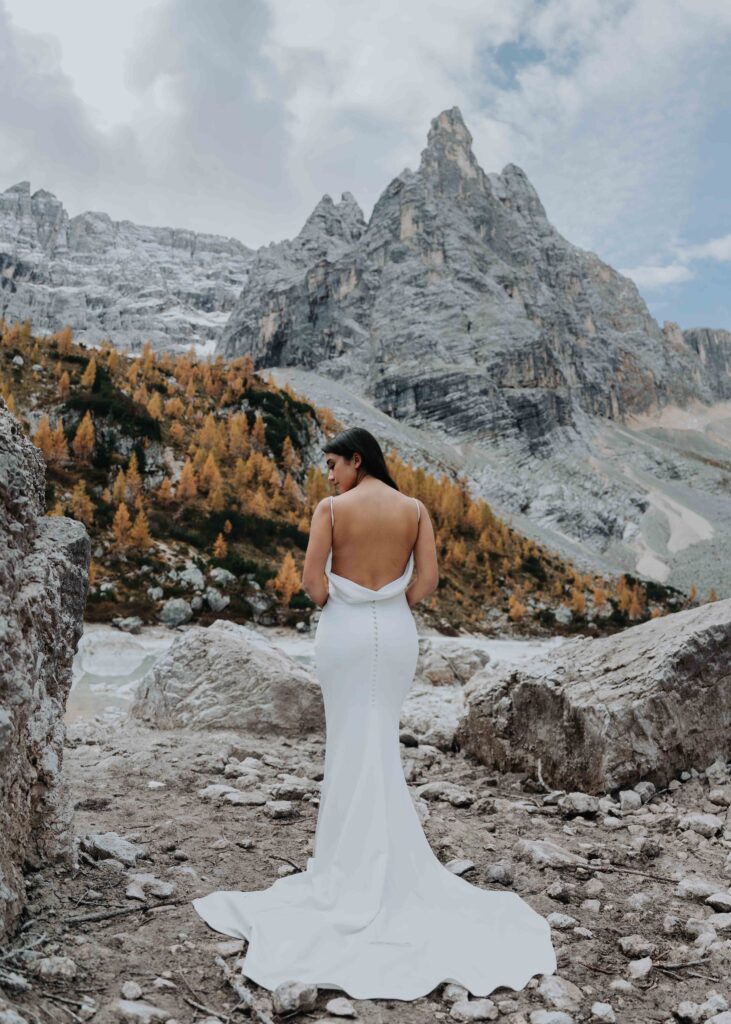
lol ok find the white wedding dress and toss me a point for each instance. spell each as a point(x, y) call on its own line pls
point(376, 914)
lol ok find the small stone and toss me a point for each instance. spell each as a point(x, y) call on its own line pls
point(474, 1009)
point(444, 790)
point(175, 612)
point(629, 800)
point(639, 968)
point(294, 997)
point(721, 922)
point(689, 1012)
point(56, 967)
point(603, 1012)
point(692, 887)
point(578, 803)
point(110, 844)
point(230, 947)
point(545, 853)
point(501, 871)
point(279, 808)
point(646, 789)
point(340, 1007)
point(561, 921)
point(560, 993)
point(635, 946)
point(705, 825)
point(719, 901)
point(131, 990)
point(460, 866)
point(621, 985)
point(137, 1012)
point(454, 993)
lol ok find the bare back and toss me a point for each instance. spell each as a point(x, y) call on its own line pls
point(373, 535)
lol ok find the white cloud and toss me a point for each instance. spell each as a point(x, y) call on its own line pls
point(235, 117)
point(658, 277)
point(715, 249)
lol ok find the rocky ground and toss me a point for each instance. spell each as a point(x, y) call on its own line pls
point(635, 885)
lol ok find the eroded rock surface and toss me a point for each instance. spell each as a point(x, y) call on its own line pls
point(460, 304)
point(642, 704)
point(44, 564)
point(227, 676)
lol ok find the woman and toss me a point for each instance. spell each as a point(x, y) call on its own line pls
point(375, 914)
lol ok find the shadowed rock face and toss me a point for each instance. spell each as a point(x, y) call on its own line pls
point(44, 563)
point(642, 704)
point(459, 303)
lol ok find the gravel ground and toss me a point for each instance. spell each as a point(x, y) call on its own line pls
point(105, 946)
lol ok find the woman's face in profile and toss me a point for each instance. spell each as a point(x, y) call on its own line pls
point(341, 472)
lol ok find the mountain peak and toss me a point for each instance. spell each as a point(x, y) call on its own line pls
point(448, 156)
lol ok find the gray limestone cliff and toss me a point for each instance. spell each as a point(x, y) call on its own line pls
point(44, 563)
point(459, 304)
point(114, 279)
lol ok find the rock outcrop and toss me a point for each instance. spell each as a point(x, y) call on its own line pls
point(228, 676)
point(643, 704)
point(44, 563)
point(459, 304)
point(113, 279)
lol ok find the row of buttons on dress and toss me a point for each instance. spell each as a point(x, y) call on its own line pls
point(375, 653)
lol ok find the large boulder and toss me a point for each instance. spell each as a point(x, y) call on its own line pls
point(443, 664)
point(228, 676)
point(602, 713)
point(44, 562)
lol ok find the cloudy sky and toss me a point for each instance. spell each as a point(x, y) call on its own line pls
point(235, 116)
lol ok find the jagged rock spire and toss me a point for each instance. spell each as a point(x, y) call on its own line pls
point(448, 156)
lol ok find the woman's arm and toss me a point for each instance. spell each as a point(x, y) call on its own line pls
point(318, 546)
point(425, 561)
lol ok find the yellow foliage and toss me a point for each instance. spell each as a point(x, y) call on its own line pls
point(60, 453)
point(290, 459)
point(134, 480)
point(516, 610)
point(119, 488)
point(82, 506)
point(83, 442)
point(288, 581)
point(164, 493)
point(89, 375)
point(187, 487)
point(139, 535)
point(258, 433)
point(43, 438)
point(154, 406)
point(121, 527)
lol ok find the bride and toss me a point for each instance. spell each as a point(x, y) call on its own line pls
point(375, 914)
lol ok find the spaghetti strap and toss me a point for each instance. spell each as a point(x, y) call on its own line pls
point(418, 510)
point(332, 513)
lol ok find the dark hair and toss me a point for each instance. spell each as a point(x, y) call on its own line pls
point(357, 439)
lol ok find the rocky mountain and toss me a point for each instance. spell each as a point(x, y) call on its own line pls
point(114, 279)
point(459, 326)
point(459, 303)
point(523, 361)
